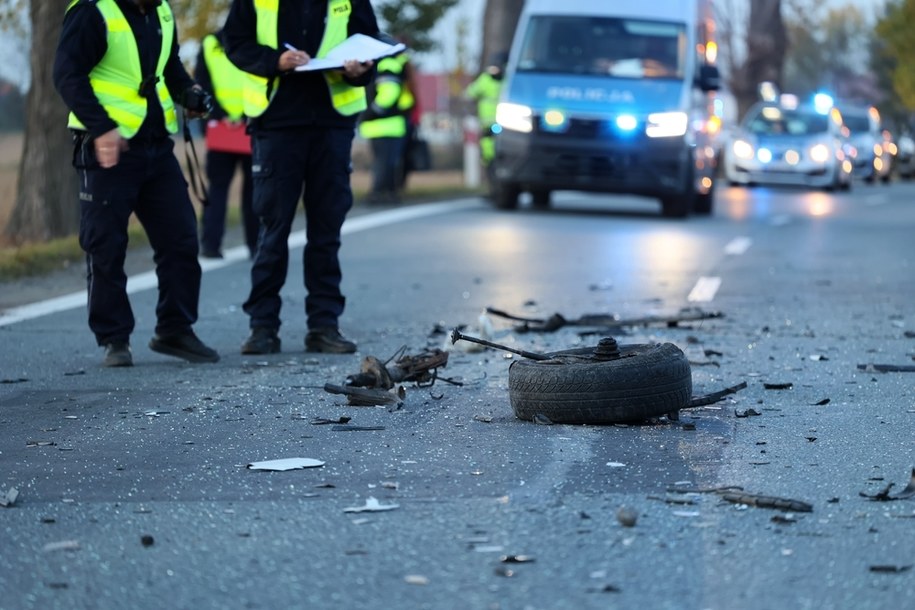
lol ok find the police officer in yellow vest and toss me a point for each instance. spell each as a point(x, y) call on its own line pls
point(485, 90)
point(384, 125)
point(302, 125)
point(117, 69)
point(216, 73)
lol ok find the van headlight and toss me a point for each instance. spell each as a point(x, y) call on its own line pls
point(666, 124)
point(515, 117)
point(819, 153)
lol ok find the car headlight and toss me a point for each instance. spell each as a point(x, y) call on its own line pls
point(742, 149)
point(819, 153)
point(515, 117)
point(666, 124)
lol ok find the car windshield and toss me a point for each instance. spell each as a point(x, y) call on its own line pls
point(623, 48)
point(857, 123)
point(772, 120)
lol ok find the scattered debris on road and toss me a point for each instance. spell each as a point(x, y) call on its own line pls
point(778, 386)
point(710, 399)
point(63, 545)
point(372, 505)
point(890, 569)
point(9, 498)
point(736, 495)
point(284, 464)
point(605, 321)
point(746, 413)
point(887, 368)
point(627, 517)
point(884, 495)
point(368, 397)
point(421, 369)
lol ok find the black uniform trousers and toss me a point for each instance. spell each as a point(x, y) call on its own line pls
point(220, 170)
point(148, 182)
point(313, 164)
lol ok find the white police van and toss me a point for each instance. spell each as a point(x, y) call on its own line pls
point(612, 97)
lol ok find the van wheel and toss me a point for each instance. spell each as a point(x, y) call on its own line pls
point(703, 204)
point(678, 206)
point(505, 195)
point(576, 387)
point(540, 198)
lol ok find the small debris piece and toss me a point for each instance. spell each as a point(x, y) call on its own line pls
point(320, 421)
point(761, 501)
point(9, 498)
point(746, 413)
point(887, 368)
point(821, 403)
point(884, 495)
point(542, 419)
point(416, 579)
point(708, 399)
point(147, 540)
point(486, 419)
point(352, 428)
point(557, 321)
point(887, 569)
point(517, 559)
point(504, 572)
point(18, 380)
point(285, 464)
point(627, 516)
point(778, 386)
point(368, 397)
point(63, 545)
point(372, 505)
point(783, 519)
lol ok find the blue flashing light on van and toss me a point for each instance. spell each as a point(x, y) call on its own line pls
point(610, 97)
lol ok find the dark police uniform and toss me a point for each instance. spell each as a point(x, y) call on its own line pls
point(302, 126)
point(109, 52)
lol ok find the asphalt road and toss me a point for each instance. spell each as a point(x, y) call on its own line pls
point(134, 491)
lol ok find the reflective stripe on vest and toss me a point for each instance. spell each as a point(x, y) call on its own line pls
point(346, 99)
point(228, 81)
point(116, 79)
point(389, 87)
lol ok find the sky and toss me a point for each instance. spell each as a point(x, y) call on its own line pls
point(14, 66)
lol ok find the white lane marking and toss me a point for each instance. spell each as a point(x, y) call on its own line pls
point(147, 280)
point(738, 246)
point(704, 290)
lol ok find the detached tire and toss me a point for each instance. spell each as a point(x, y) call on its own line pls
point(573, 387)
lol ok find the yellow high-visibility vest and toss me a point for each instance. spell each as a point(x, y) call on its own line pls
point(259, 91)
point(228, 81)
point(389, 95)
point(116, 78)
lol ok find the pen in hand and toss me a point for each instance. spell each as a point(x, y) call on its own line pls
point(292, 58)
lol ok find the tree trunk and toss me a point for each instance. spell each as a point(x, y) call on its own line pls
point(767, 42)
point(46, 201)
point(499, 21)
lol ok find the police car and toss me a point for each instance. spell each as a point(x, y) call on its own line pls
point(784, 142)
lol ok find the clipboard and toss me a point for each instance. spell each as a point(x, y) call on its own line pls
point(357, 46)
point(225, 136)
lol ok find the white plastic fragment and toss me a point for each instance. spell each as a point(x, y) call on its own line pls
point(9, 498)
point(372, 505)
point(285, 464)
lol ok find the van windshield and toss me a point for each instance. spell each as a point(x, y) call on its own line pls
point(772, 121)
point(624, 48)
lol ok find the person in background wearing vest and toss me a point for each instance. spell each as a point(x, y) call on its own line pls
point(118, 71)
point(216, 73)
point(384, 125)
point(302, 125)
point(485, 90)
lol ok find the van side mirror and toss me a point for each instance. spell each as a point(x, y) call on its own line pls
point(708, 79)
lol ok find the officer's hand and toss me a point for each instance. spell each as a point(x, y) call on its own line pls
point(353, 68)
point(108, 147)
point(290, 59)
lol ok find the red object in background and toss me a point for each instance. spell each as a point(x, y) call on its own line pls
point(225, 136)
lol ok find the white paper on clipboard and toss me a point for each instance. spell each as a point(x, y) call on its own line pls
point(357, 46)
